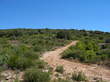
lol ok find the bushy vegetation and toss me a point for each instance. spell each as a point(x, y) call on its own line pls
point(79, 76)
point(64, 35)
point(21, 49)
point(60, 69)
point(87, 51)
point(40, 64)
point(34, 75)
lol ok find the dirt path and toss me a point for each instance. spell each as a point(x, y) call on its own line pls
point(53, 59)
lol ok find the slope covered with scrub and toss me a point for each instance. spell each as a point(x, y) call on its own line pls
point(21, 51)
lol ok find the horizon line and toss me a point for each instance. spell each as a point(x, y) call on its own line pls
point(53, 28)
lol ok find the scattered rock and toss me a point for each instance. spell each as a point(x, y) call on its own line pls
point(10, 76)
point(46, 70)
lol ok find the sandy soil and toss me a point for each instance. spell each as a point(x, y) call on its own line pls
point(53, 59)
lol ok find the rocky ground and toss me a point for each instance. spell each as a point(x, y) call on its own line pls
point(93, 72)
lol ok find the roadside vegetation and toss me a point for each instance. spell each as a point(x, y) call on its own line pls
point(89, 51)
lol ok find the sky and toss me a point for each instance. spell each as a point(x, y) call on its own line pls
point(62, 14)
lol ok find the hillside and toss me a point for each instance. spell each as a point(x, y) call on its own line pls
point(54, 55)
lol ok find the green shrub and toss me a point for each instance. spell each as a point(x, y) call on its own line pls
point(16, 62)
point(60, 69)
point(68, 54)
point(34, 75)
point(106, 52)
point(79, 76)
point(80, 45)
point(37, 48)
point(64, 35)
point(40, 64)
point(72, 53)
point(30, 54)
point(4, 58)
point(5, 54)
point(86, 51)
point(88, 57)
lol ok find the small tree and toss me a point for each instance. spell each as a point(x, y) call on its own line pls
point(64, 35)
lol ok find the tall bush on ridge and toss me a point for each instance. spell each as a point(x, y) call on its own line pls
point(64, 35)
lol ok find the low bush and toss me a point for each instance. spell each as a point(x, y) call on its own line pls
point(16, 62)
point(71, 53)
point(40, 64)
point(87, 51)
point(88, 56)
point(31, 55)
point(37, 48)
point(34, 75)
point(4, 58)
point(79, 76)
point(60, 69)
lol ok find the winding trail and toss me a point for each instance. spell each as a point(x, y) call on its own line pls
point(91, 71)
